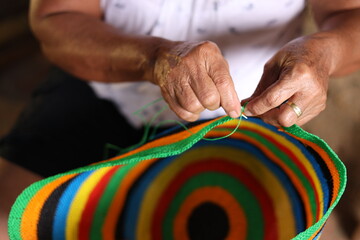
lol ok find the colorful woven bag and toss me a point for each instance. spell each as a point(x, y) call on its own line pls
point(260, 182)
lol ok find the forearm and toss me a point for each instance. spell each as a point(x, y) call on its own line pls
point(341, 31)
point(93, 50)
point(299, 72)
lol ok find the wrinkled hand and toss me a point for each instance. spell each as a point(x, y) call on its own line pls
point(194, 76)
point(298, 73)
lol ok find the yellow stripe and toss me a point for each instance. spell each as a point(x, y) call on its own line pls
point(283, 208)
point(79, 202)
point(236, 216)
point(302, 159)
point(296, 151)
point(118, 201)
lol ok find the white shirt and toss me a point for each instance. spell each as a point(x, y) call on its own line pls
point(248, 32)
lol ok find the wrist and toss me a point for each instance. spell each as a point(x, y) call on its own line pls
point(132, 58)
point(332, 46)
point(160, 59)
point(325, 50)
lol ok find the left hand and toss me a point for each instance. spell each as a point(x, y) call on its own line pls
point(298, 73)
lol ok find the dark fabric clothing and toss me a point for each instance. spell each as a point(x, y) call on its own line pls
point(65, 126)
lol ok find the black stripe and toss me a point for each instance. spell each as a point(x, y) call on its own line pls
point(45, 223)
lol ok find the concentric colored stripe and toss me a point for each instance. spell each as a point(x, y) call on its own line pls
point(166, 140)
point(104, 203)
point(237, 219)
point(294, 153)
point(31, 213)
point(252, 207)
point(303, 164)
point(59, 226)
point(48, 212)
point(87, 216)
point(329, 163)
point(281, 187)
point(147, 180)
point(282, 160)
point(79, 202)
point(309, 162)
point(165, 180)
point(135, 199)
point(109, 226)
point(271, 177)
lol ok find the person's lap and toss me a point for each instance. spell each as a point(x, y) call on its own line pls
point(65, 126)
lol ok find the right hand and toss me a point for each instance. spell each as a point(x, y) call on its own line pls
point(194, 76)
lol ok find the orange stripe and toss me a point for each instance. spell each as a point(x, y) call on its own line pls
point(166, 140)
point(237, 219)
point(316, 232)
point(117, 204)
point(292, 176)
point(325, 157)
point(330, 164)
point(32, 211)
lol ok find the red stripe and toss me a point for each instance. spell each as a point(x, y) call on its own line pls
point(90, 207)
point(328, 162)
point(296, 161)
point(301, 167)
point(222, 166)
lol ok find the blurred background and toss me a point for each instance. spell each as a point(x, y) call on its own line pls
point(22, 68)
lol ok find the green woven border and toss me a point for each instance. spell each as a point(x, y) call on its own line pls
point(299, 132)
point(166, 151)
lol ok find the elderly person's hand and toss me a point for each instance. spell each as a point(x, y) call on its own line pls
point(194, 76)
point(294, 84)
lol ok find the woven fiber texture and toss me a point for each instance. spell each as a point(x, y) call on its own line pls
point(259, 183)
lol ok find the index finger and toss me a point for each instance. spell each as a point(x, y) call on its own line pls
point(271, 98)
point(229, 100)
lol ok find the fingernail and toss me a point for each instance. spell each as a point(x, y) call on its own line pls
point(248, 113)
point(234, 114)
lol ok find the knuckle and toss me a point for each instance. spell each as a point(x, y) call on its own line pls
point(254, 109)
point(192, 105)
point(268, 66)
point(301, 69)
point(188, 116)
point(209, 44)
point(322, 106)
point(210, 99)
point(295, 71)
point(271, 99)
point(286, 120)
point(207, 47)
point(222, 79)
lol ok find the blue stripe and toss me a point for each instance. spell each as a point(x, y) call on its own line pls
point(318, 235)
point(62, 210)
point(297, 206)
point(317, 168)
point(135, 198)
